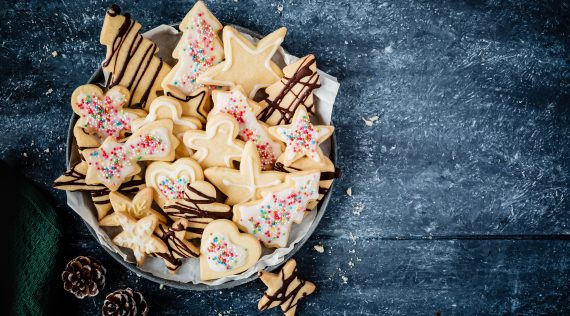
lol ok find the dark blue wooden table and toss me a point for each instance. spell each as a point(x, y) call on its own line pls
point(460, 191)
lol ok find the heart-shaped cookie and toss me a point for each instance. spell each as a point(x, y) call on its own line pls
point(170, 179)
point(225, 251)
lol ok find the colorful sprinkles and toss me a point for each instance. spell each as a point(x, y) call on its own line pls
point(173, 190)
point(106, 116)
point(198, 45)
point(302, 137)
point(222, 253)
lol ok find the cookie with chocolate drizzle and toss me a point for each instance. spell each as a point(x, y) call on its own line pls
point(284, 289)
point(174, 236)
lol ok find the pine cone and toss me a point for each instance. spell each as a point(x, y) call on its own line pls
point(84, 276)
point(125, 302)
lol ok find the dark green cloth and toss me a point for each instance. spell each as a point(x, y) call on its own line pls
point(33, 244)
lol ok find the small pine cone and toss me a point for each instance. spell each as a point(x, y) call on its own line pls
point(125, 302)
point(84, 276)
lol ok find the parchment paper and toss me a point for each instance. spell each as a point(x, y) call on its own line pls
point(166, 37)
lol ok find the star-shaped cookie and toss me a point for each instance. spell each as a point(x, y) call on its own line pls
point(217, 146)
point(138, 207)
point(246, 64)
point(246, 183)
point(138, 236)
point(174, 236)
point(284, 289)
point(301, 137)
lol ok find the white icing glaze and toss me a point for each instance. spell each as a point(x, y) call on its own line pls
point(270, 218)
point(112, 162)
point(222, 255)
point(160, 133)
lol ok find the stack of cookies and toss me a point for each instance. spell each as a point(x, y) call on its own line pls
point(214, 157)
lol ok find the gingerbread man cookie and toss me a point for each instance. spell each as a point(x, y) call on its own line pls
point(225, 251)
point(138, 236)
point(174, 237)
point(248, 65)
point(295, 89)
point(284, 289)
point(217, 146)
point(169, 180)
point(198, 49)
point(270, 218)
point(131, 60)
point(199, 207)
point(235, 103)
point(246, 183)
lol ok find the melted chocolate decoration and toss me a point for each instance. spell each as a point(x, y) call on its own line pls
point(176, 248)
point(330, 175)
point(280, 296)
point(193, 210)
point(120, 67)
point(300, 99)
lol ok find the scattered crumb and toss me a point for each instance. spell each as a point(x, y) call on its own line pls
point(353, 238)
point(46, 150)
point(280, 7)
point(367, 122)
point(358, 259)
point(358, 208)
point(50, 90)
point(371, 120)
point(345, 42)
point(388, 49)
point(161, 286)
point(25, 155)
point(349, 191)
point(55, 53)
point(374, 118)
point(351, 264)
point(344, 279)
point(319, 248)
point(351, 251)
point(32, 144)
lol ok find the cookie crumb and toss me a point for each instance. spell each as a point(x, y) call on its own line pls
point(319, 248)
point(280, 7)
point(368, 122)
point(388, 49)
point(25, 155)
point(371, 120)
point(46, 150)
point(358, 208)
point(374, 118)
point(50, 90)
point(349, 191)
point(55, 53)
point(351, 251)
point(161, 286)
point(345, 42)
point(351, 264)
point(344, 279)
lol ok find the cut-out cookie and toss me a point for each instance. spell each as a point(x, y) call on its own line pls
point(138, 236)
point(217, 146)
point(295, 89)
point(301, 137)
point(248, 65)
point(174, 236)
point(169, 180)
point(74, 180)
point(199, 207)
point(101, 115)
point(138, 207)
point(245, 111)
point(131, 59)
point(246, 183)
point(199, 48)
point(270, 218)
point(225, 251)
point(169, 108)
point(284, 289)
point(112, 163)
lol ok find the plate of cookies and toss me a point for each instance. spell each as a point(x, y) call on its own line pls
point(200, 154)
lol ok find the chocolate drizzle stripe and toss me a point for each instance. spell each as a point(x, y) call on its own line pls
point(286, 113)
point(176, 247)
point(281, 296)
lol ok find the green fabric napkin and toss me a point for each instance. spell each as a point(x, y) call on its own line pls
point(33, 244)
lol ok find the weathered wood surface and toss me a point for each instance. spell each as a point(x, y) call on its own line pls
point(460, 191)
